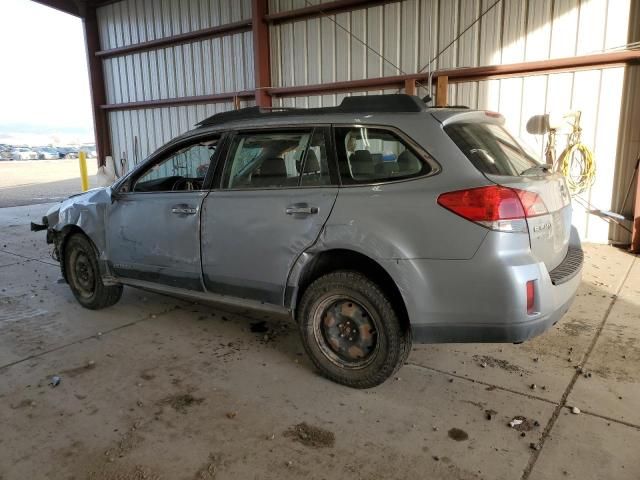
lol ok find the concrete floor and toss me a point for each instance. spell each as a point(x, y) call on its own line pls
point(160, 388)
point(28, 182)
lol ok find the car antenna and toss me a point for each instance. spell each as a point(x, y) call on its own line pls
point(427, 98)
point(135, 150)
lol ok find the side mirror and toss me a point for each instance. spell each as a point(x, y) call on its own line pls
point(122, 188)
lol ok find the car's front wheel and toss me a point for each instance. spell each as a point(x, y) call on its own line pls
point(351, 330)
point(83, 275)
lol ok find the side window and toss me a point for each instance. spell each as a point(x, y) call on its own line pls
point(185, 169)
point(371, 155)
point(266, 159)
point(315, 171)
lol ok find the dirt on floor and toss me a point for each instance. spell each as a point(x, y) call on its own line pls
point(160, 388)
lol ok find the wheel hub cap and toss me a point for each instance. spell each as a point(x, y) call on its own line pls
point(84, 274)
point(348, 330)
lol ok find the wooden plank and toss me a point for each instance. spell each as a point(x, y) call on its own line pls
point(410, 86)
point(442, 88)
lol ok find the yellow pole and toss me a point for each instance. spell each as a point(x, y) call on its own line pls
point(84, 177)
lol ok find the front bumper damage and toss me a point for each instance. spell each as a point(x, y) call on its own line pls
point(52, 236)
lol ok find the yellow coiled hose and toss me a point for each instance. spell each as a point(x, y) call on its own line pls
point(578, 166)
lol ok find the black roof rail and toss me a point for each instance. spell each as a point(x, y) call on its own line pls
point(393, 103)
point(461, 107)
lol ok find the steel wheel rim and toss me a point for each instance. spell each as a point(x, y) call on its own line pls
point(84, 276)
point(346, 332)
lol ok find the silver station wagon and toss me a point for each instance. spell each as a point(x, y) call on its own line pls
point(375, 224)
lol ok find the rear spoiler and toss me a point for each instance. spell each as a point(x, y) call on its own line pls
point(448, 116)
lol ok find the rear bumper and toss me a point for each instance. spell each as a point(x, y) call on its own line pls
point(514, 332)
point(484, 299)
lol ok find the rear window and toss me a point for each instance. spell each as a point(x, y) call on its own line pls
point(491, 149)
point(372, 155)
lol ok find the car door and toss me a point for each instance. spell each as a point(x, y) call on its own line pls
point(153, 226)
point(275, 193)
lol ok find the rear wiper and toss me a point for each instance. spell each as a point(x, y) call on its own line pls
point(542, 168)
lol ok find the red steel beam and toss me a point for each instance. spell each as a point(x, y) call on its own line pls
point(328, 8)
point(173, 40)
point(603, 60)
point(346, 86)
point(96, 84)
point(609, 59)
point(262, 67)
point(460, 75)
point(179, 101)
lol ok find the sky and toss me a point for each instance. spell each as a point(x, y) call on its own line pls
point(44, 84)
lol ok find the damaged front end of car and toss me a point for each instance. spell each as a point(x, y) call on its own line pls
point(52, 235)
point(82, 213)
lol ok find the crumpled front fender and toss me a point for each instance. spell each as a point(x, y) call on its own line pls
point(86, 211)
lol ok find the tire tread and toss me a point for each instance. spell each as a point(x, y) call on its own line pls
point(106, 295)
point(398, 338)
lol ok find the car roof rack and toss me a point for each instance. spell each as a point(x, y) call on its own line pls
point(459, 107)
point(393, 103)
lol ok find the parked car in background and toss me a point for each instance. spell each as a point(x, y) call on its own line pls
point(5, 152)
point(90, 150)
point(47, 153)
point(23, 153)
point(374, 224)
point(68, 152)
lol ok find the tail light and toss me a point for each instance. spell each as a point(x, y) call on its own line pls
point(531, 295)
point(495, 207)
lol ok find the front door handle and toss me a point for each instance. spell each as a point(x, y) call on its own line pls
point(301, 209)
point(184, 209)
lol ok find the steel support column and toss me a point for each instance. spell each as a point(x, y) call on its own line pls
point(262, 67)
point(96, 84)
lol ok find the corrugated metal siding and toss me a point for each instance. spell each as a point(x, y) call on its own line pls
point(328, 48)
point(210, 66)
point(134, 21)
point(138, 133)
point(215, 65)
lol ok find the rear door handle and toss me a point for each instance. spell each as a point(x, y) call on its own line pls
point(301, 209)
point(184, 209)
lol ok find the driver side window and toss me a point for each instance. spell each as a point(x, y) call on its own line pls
point(183, 170)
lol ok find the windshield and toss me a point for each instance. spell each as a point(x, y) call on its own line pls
point(491, 149)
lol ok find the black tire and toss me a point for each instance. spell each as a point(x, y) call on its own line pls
point(371, 344)
point(83, 275)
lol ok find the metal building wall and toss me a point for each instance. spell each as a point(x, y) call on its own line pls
point(321, 50)
point(137, 133)
point(625, 191)
point(209, 66)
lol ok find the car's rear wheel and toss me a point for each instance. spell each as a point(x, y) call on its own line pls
point(351, 330)
point(83, 275)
